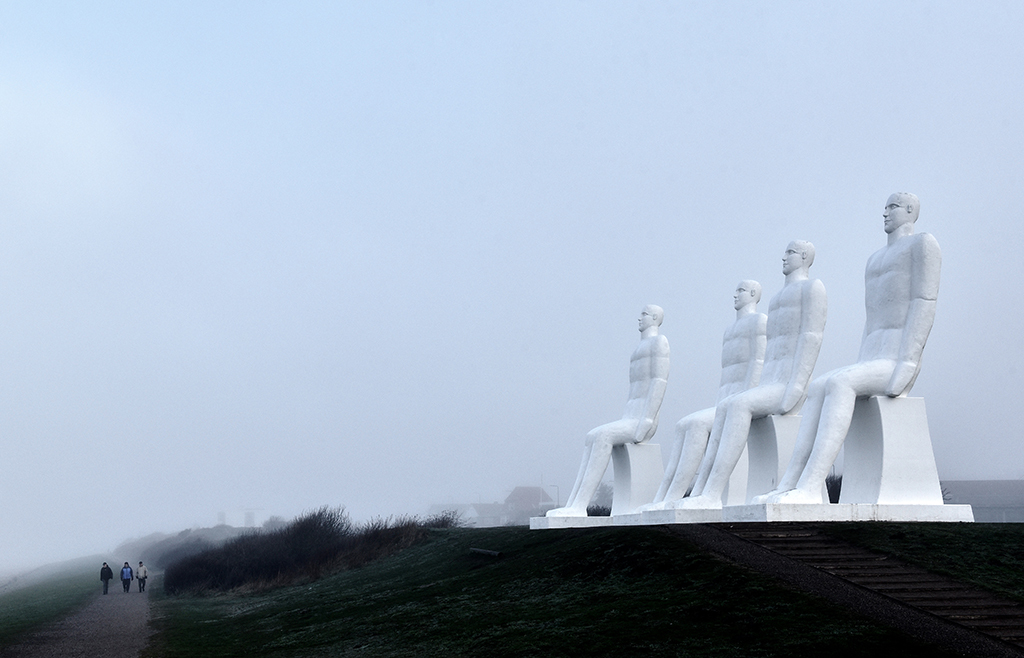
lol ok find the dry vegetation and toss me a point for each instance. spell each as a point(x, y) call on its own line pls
point(317, 543)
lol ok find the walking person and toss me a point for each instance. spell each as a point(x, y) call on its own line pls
point(140, 575)
point(126, 577)
point(106, 575)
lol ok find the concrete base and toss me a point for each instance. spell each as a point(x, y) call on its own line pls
point(553, 522)
point(843, 512)
point(666, 516)
point(768, 513)
point(628, 519)
point(888, 457)
point(638, 471)
point(769, 448)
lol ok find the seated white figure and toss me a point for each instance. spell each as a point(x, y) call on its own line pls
point(796, 322)
point(648, 378)
point(743, 348)
point(901, 285)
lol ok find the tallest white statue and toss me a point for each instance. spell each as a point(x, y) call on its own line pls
point(901, 284)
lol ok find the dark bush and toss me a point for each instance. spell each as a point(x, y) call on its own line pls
point(314, 544)
point(446, 519)
point(834, 485)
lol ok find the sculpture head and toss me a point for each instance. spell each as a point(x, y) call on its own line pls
point(799, 254)
point(651, 316)
point(902, 208)
point(747, 291)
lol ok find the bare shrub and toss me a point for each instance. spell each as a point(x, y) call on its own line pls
point(449, 518)
point(314, 544)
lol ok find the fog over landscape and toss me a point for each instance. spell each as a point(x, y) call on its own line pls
point(270, 256)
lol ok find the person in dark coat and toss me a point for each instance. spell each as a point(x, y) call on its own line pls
point(106, 575)
point(126, 577)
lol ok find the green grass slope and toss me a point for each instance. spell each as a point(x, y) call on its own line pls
point(599, 592)
point(45, 595)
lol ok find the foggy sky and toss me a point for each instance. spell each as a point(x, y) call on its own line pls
point(272, 256)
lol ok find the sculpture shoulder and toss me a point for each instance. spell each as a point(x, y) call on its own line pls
point(927, 246)
point(814, 290)
point(755, 323)
point(652, 346)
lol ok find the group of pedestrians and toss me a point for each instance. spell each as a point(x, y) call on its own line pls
point(127, 576)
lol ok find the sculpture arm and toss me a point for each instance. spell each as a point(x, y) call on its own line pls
point(927, 261)
point(758, 344)
point(652, 405)
point(812, 328)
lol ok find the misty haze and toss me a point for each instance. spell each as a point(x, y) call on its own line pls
point(261, 258)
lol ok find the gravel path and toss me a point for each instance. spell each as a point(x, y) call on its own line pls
point(113, 626)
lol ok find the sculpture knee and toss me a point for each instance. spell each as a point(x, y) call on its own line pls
point(817, 389)
point(596, 438)
point(693, 425)
point(838, 386)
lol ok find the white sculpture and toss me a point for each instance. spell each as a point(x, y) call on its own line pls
point(743, 348)
point(796, 322)
point(901, 284)
point(648, 377)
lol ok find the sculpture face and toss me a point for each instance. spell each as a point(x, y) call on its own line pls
point(896, 213)
point(647, 319)
point(742, 297)
point(793, 259)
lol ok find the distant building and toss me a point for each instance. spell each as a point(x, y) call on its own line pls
point(490, 515)
point(525, 502)
point(993, 501)
point(517, 509)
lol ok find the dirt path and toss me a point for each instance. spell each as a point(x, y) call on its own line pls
point(113, 626)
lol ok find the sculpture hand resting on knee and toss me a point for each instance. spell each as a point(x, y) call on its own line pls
point(796, 322)
point(743, 348)
point(901, 284)
point(648, 377)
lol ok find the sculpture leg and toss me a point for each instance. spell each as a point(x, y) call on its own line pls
point(732, 425)
point(688, 451)
point(811, 412)
point(841, 389)
point(673, 462)
point(695, 444)
point(579, 475)
point(833, 425)
point(730, 448)
point(711, 451)
point(596, 455)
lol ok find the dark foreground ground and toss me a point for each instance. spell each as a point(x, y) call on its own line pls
point(600, 592)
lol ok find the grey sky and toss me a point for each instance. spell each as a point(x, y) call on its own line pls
point(280, 255)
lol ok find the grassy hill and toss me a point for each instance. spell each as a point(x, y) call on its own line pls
point(46, 594)
point(600, 592)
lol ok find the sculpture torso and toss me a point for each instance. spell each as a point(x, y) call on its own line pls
point(648, 365)
point(743, 348)
point(786, 317)
point(896, 275)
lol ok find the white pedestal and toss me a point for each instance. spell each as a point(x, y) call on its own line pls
point(553, 522)
point(638, 472)
point(769, 448)
point(663, 516)
point(888, 457)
